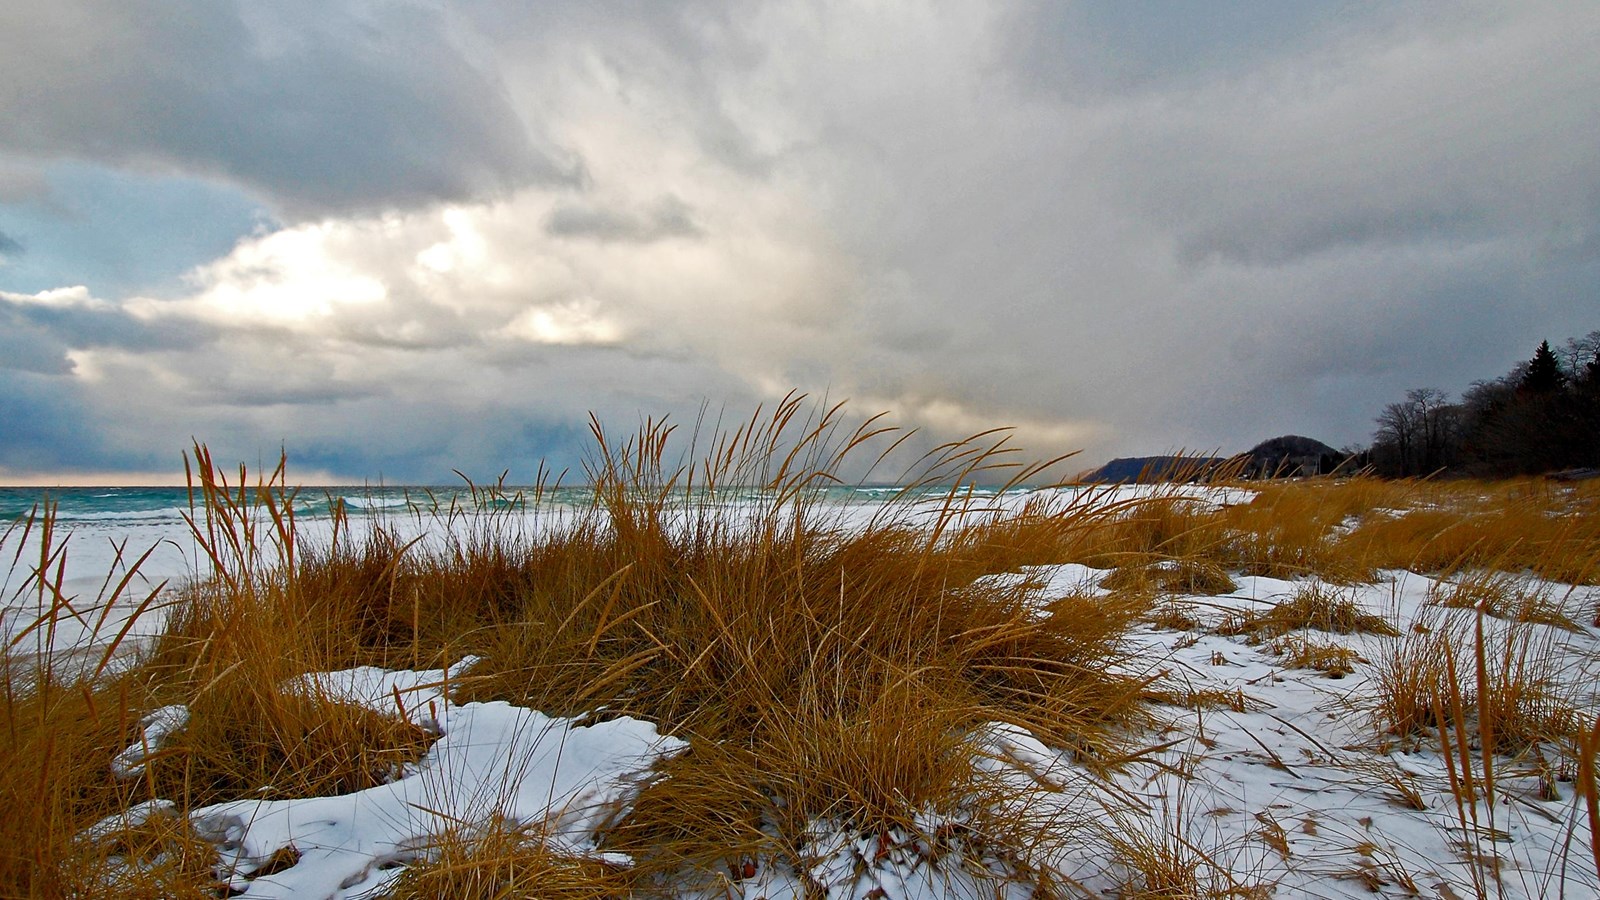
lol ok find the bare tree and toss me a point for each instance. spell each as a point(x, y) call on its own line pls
point(1394, 443)
point(1419, 435)
point(1438, 422)
point(1578, 353)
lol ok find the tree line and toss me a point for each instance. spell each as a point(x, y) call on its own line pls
point(1542, 416)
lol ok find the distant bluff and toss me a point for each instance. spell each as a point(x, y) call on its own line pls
point(1290, 455)
point(1283, 457)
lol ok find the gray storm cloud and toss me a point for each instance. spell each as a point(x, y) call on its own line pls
point(499, 218)
point(323, 108)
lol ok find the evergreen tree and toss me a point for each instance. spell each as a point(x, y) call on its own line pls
point(1544, 374)
point(1542, 416)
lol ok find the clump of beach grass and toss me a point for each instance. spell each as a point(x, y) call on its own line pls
point(1490, 694)
point(1295, 530)
point(819, 673)
point(1313, 605)
point(233, 646)
point(1503, 682)
point(1197, 577)
point(1333, 660)
point(65, 713)
point(499, 859)
point(1167, 851)
point(1502, 595)
point(1161, 526)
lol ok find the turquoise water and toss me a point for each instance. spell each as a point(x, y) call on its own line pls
point(111, 506)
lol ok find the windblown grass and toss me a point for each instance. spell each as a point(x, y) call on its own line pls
point(65, 714)
point(1293, 530)
point(1172, 855)
point(1460, 671)
point(1503, 595)
point(1146, 530)
point(501, 859)
point(1332, 660)
point(1552, 530)
point(819, 673)
point(824, 671)
point(58, 742)
point(1503, 700)
point(1345, 530)
point(233, 646)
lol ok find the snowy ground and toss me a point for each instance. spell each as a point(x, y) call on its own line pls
point(1300, 792)
point(1302, 789)
point(1294, 791)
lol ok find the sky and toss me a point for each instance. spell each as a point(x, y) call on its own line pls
point(397, 238)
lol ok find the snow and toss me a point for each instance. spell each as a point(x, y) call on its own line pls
point(1309, 756)
point(494, 762)
point(1300, 791)
point(154, 728)
point(418, 696)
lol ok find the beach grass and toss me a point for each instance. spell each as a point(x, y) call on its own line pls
point(821, 669)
